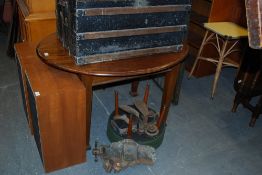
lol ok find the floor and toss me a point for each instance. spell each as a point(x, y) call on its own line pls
point(203, 137)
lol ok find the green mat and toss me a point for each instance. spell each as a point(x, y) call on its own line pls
point(154, 141)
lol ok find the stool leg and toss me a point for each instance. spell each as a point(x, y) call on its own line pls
point(198, 54)
point(237, 101)
point(256, 113)
point(219, 67)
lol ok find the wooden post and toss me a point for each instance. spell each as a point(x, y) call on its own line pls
point(161, 117)
point(116, 104)
point(130, 124)
point(134, 86)
point(146, 93)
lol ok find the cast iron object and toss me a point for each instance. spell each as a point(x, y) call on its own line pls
point(123, 154)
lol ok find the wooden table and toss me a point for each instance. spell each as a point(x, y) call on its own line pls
point(51, 52)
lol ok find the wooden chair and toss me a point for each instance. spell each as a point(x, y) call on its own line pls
point(224, 37)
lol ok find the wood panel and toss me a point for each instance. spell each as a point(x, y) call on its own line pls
point(36, 6)
point(40, 29)
point(199, 15)
point(201, 7)
point(35, 26)
point(57, 102)
point(24, 59)
point(228, 11)
point(22, 26)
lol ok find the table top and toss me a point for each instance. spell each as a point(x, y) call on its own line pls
point(52, 52)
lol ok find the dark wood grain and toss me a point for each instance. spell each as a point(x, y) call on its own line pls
point(228, 11)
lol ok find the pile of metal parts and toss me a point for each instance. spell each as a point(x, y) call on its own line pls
point(136, 119)
point(123, 154)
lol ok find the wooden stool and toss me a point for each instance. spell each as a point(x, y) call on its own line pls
point(248, 84)
point(219, 34)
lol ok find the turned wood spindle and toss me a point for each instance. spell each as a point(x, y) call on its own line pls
point(116, 104)
point(134, 87)
point(146, 93)
point(130, 124)
point(161, 117)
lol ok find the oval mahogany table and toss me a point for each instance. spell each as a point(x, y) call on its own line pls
point(52, 52)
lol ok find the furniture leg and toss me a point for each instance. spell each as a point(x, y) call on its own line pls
point(30, 122)
point(2, 4)
point(178, 84)
point(256, 113)
point(88, 81)
point(219, 67)
point(134, 87)
point(198, 55)
point(237, 101)
point(169, 86)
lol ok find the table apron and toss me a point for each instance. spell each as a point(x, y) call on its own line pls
point(102, 80)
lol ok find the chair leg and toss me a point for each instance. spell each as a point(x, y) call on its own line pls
point(219, 67)
point(198, 54)
point(256, 113)
point(237, 101)
point(217, 74)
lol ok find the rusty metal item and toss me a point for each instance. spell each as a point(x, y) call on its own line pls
point(117, 116)
point(138, 118)
point(151, 130)
point(129, 110)
point(121, 131)
point(142, 107)
point(123, 154)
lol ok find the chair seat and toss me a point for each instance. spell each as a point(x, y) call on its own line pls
point(227, 29)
